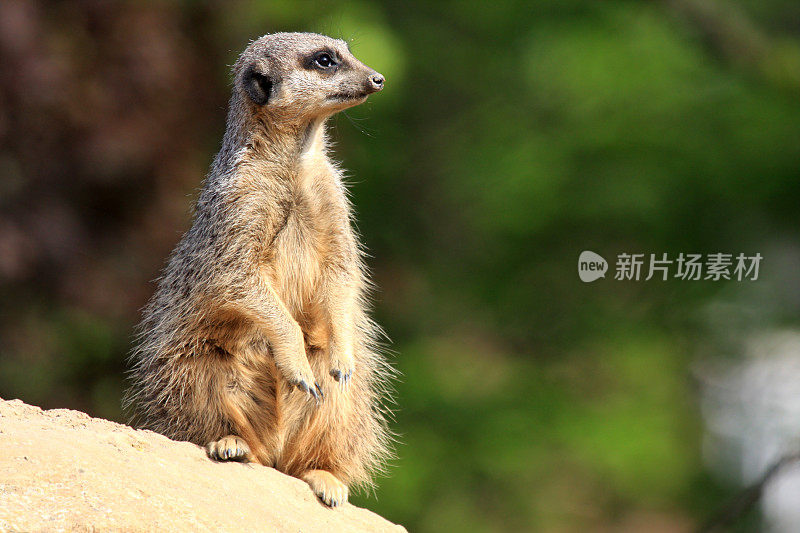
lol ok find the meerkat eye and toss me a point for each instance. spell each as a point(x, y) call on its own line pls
point(324, 60)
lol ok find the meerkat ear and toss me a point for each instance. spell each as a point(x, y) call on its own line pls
point(258, 85)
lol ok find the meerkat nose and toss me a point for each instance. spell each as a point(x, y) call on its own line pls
point(377, 81)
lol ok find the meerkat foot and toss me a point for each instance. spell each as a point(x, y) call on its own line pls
point(230, 448)
point(326, 487)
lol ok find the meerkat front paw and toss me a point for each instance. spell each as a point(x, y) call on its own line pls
point(326, 487)
point(299, 374)
point(342, 362)
point(342, 369)
point(309, 386)
point(304, 380)
point(230, 448)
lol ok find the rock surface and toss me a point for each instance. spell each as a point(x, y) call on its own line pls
point(62, 470)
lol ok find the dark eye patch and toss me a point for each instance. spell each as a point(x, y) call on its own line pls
point(326, 60)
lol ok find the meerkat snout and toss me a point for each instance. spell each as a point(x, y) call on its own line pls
point(376, 82)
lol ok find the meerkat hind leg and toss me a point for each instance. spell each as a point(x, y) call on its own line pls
point(327, 487)
point(228, 448)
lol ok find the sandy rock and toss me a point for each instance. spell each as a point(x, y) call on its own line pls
point(62, 470)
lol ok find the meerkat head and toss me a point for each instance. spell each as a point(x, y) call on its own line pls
point(303, 76)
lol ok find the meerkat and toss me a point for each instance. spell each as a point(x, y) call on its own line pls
point(257, 343)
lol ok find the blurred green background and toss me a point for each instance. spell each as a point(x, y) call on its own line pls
point(510, 137)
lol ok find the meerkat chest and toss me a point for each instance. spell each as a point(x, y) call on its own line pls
point(297, 257)
point(309, 240)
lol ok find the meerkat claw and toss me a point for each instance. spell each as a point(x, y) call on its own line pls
point(329, 489)
point(230, 448)
point(342, 378)
point(315, 391)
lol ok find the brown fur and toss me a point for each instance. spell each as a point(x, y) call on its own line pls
point(265, 297)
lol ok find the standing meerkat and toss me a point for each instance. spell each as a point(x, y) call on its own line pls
point(257, 343)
